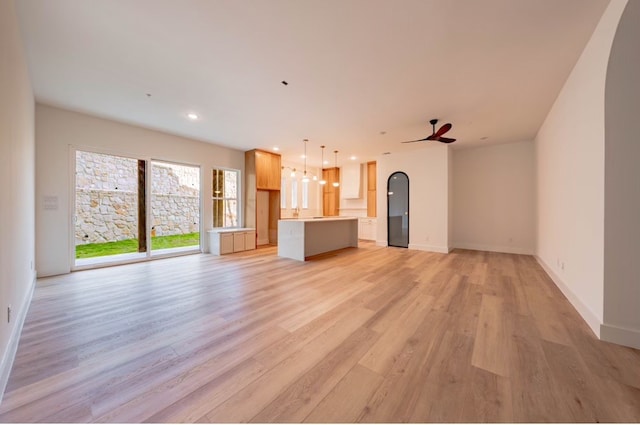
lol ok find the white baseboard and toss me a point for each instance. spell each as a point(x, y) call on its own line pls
point(493, 248)
point(419, 247)
point(622, 336)
point(587, 315)
point(430, 248)
point(14, 338)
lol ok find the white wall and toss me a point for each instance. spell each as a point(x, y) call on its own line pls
point(570, 177)
point(622, 185)
point(17, 175)
point(450, 196)
point(494, 198)
point(428, 171)
point(57, 130)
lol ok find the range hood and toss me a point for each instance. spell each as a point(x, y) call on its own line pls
point(351, 178)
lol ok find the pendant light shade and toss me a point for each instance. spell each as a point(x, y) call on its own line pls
point(305, 179)
point(336, 183)
point(322, 180)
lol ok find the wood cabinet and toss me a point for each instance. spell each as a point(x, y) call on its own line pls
point(371, 188)
point(249, 240)
point(262, 177)
point(268, 169)
point(238, 242)
point(227, 240)
point(330, 193)
point(224, 244)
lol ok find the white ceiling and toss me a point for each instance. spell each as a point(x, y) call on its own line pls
point(355, 68)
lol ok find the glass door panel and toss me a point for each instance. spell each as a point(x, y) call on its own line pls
point(398, 210)
point(108, 209)
point(175, 208)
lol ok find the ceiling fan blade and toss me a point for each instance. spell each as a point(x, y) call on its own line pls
point(445, 140)
point(421, 140)
point(446, 127)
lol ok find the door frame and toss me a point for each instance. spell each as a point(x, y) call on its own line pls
point(148, 160)
point(408, 215)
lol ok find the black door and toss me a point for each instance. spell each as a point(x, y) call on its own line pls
point(398, 210)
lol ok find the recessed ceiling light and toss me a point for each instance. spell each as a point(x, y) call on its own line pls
point(275, 148)
point(352, 157)
point(303, 156)
point(192, 116)
point(325, 162)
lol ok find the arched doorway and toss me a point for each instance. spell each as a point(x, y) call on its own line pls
point(398, 210)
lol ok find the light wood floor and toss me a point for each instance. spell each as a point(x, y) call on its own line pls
point(370, 334)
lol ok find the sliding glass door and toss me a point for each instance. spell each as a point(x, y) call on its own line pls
point(128, 209)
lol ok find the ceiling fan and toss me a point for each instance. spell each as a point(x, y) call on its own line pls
point(437, 135)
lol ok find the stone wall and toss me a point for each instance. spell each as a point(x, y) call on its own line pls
point(175, 214)
point(106, 215)
point(106, 199)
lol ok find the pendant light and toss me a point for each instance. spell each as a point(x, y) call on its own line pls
point(305, 179)
point(322, 181)
point(336, 183)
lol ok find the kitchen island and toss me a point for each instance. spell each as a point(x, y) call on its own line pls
point(303, 237)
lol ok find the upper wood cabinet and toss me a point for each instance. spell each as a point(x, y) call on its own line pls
point(371, 175)
point(331, 194)
point(371, 188)
point(266, 166)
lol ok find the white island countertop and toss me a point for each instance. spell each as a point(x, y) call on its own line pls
point(300, 238)
point(337, 218)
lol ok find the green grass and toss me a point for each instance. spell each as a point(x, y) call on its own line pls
point(91, 250)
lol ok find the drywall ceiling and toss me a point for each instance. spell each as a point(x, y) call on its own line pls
point(363, 75)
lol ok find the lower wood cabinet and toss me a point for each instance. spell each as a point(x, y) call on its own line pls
point(226, 241)
point(225, 245)
point(238, 241)
point(249, 240)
